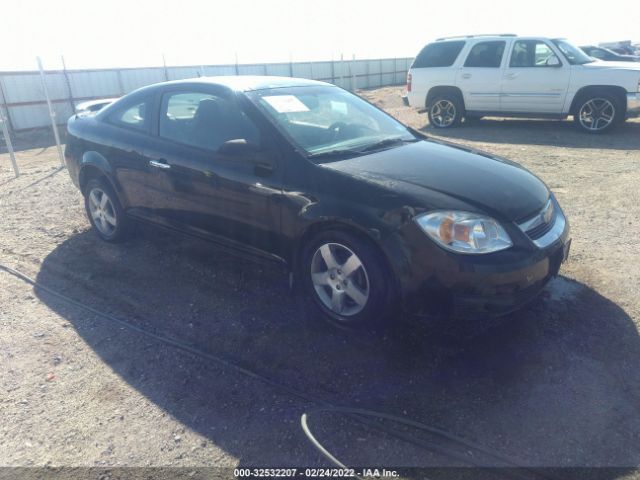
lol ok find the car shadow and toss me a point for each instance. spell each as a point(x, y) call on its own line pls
point(541, 132)
point(556, 384)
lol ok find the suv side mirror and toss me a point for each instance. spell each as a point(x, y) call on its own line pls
point(553, 61)
point(238, 147)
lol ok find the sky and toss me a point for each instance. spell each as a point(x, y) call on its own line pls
point(128, 33)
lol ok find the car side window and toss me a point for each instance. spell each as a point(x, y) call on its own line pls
point(530, 53)
point(132, 116)
point(486, 54)
point(439, 54)
point(597, 53)
point(204, 120)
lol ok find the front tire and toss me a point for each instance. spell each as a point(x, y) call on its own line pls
point(345, 277)
point(105, 213)
point(598, 113)
point(445, 111)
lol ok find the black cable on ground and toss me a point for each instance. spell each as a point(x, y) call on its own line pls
point(356, 414)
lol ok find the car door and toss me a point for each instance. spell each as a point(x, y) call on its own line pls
point(535, 80)
point(231, 194)
point(480, 75)
point(129, 133)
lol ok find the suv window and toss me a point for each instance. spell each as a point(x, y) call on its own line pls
point(132, 116)
point(204, 120)
point(439, 54)
point(486, 54)
point(530, 53)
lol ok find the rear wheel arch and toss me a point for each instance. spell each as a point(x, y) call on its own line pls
point(435, 92)
point(90, 172)
point(95, 166)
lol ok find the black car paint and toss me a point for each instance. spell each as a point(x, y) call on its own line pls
point(265, 205)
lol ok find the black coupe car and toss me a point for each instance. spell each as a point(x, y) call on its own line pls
point(369, 215)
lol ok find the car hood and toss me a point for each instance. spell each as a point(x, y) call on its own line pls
point(493, 185)
point(603, 65)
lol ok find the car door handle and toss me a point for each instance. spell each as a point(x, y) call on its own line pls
point(510, 75)
point(159, 164)
point(466, 75)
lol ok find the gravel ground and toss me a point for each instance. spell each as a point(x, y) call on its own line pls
point(556, 384)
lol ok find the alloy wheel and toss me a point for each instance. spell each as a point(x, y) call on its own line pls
point(443, 113)
point(102, 211)
point(596, 114)
point(340, 279)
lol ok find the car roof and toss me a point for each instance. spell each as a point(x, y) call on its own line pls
point(244, 83)
point(496, 36)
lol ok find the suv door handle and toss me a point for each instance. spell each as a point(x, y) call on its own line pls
point(466, 75)
point(510, 75)
point(159, 164)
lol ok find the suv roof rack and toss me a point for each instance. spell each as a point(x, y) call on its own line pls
point(478, 35)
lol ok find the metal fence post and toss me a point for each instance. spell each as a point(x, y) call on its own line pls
point(341, 70)
point(52, 114)
point(120, 82)
point(353, 73)
point(68, 83)
point(4, 102)
point(7, 140)
point(164, 65)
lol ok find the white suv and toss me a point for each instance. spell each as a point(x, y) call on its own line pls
point(511, 76)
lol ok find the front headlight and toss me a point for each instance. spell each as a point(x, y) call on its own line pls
point(464, 232)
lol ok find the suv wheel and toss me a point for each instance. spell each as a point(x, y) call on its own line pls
point(445, 111)
point(597, 113)
point(344, 276)
point(105, 212)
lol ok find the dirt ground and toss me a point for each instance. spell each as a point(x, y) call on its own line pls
point(554, 385)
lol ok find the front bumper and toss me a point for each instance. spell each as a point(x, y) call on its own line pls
point(633, 105)
point(495, 284)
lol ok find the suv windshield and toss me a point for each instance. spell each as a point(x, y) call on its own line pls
point(328, 122)
point(573, 54)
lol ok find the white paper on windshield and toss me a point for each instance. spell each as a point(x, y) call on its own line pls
point(286, 103)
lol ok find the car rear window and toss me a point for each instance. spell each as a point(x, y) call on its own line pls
point(439, 54)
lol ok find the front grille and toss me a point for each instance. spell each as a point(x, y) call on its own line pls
point(542, 223)
point(540, 229)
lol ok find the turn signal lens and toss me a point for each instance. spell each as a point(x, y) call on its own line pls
point(464, 232)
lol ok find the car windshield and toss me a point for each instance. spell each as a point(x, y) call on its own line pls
point(573, 54)
point(328, 122)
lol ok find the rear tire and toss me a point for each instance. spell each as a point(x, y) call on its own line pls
point(105, 213)
point(598, 112)
point(445, 111)
point(347, 280)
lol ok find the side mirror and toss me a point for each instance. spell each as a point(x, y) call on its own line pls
point(553, 61)
point(238, 147)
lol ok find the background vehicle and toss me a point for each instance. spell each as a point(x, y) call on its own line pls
point(506, 75)
point(92, 106)
point(367, 213)
point(608, 55)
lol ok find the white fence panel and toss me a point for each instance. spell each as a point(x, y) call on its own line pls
point(25, 102)
point(95, 84)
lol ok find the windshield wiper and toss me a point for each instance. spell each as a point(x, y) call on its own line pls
point(337, 154)
point(388, 142)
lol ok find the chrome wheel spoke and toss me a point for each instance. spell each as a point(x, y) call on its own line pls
point(93, 199)
point(320, 279)
point(327, 256)
point(356, 294)
point(337, 301)
point(350, 266)
point(110, 219)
